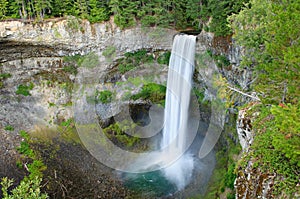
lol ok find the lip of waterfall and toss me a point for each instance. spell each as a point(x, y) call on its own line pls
point(187, 32)
point(190, 32)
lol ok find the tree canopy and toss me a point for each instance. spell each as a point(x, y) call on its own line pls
point(179, 14)
point(270, 32)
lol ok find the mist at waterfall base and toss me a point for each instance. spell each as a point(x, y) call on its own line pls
point(182, 135)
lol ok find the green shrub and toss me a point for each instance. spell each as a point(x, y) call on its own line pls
point(118, 131)
point(154, 92)
point(73, 58)
point(104, 96)
point(98, 14)
point(9, 128)
point(134, 59)
point(70, 69)
point(164, 58)
point(149, 20)
point(90, 60)
point(67, 123)
point(30, 186)
point(4, 76)
point(109, 52)
point(24, 89)
point(24, 147)
point(100, 97)
point(287, 123)
point(123, 68)
point(220, 60)
point(29, 189)
point(276, 147)
point(230, 176)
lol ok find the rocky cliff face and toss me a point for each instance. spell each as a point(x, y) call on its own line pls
point(29, 51)
point(251, 182)
point(226, 47)
point(60, 37)
point(36, 85)
point(33, 55)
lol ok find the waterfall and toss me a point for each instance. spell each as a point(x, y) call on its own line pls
point(175, 132)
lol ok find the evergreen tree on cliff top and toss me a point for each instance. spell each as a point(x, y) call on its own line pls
point(270, 32)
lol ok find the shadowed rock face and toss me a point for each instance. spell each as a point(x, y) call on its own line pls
point(13, 50)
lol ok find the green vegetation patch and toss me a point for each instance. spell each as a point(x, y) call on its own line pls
point(188, 14)
point(69, 132)
point(272, 48)
point(24, 89)
point(224, 174)
point(30, 186)
point(117, 133)
point(89, 60)
point(74, 24)
point(164, 58)
point(9, 128)
point(104, 97)
point(134, 59)
point(109, 52)
point(4, 76)
point(220, 60)
point(276, 147)
point(154, 92)
point(70, 69)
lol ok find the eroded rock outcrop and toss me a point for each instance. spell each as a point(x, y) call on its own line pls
point(225, 46)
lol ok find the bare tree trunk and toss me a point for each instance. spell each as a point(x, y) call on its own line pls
point(245, 94)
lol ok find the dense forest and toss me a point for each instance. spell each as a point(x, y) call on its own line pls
point(181, 14)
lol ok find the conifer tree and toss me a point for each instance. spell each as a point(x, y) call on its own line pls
point(80, 8)
point(3, 8)
point(40, 7)
point(124, 12)
point(98, 11)
point(270, 30)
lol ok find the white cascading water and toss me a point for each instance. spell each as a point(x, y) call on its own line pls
point(175, 132)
